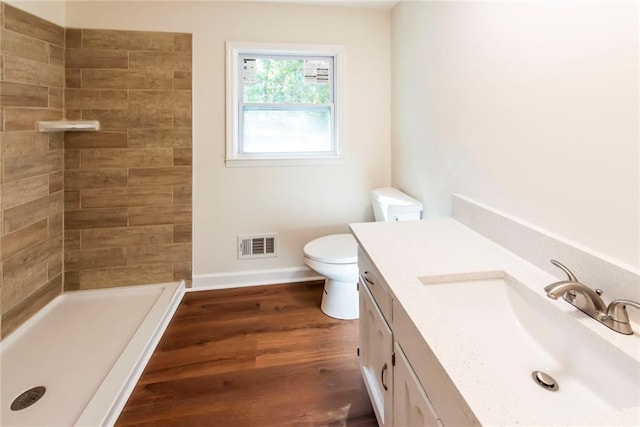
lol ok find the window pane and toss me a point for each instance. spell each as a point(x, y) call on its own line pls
point(286, 131)
point(282, 80)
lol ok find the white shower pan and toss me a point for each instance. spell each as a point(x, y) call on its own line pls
point(88, 349)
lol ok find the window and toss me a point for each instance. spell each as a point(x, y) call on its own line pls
point(283, 105)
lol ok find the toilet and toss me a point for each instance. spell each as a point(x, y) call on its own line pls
point(336, 256)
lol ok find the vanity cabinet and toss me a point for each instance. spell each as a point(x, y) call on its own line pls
point(376, 350)
point(400, 372)
point(412, 407)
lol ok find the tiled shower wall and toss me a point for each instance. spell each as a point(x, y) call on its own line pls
point(128, 187)
point(31, 165)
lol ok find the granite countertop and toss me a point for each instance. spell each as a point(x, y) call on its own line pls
point(444, 248)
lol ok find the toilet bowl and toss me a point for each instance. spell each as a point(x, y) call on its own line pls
point(336, 258)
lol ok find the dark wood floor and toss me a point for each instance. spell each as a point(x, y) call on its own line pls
point(259, 356)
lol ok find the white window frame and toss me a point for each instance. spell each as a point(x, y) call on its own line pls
point(234, 157)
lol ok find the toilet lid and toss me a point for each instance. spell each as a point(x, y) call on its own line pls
point(333, 249)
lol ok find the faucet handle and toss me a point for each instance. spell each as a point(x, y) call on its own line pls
point(568, 272)
point(617, 311)
point(617, 316)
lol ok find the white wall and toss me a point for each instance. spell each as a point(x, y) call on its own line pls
point(299, 203)
point(528, 107)
point(52, 10)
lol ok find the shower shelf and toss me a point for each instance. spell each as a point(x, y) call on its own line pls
point(68, 125)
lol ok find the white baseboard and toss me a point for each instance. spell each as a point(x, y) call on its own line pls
point(238, 279)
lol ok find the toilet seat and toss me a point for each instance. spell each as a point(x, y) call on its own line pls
point(333, 249)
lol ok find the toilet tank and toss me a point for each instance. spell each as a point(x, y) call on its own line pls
point(390, 204)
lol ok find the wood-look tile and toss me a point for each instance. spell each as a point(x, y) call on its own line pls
point(72, 239)
point(126, 236)
point(182, 80)
point(24, 143)
point(85, 259)
point(126, 157)
point(73, 114)
point(30, 212)
point(161, 99)
point(56, 181)
point(182, 233)
point(179, 138)
point(95, 98)
point(72, 159)
point(26, 71)
point(104, 79)
point(182, 271)
point(76, 179)
point(169, 61)
point(158, 253)
point(15, 44)
point(182, 41)
point(18, 284)
point(18, 118)
point(149, 79)
point(56, 55)
point(73, 38)
point(23, 238)
point(37, 254)
point(73, 78)
point(182, 194)
point(23, 310)
point(71, 200)
point(56, 223)
point(56, 141)
point(71, 281)
point(56, 97)
point(178, 175)
point(33, 26)
point(122, 119)
point(159, 215)
point(16, 168)
point(95, 140)
point(96, 58)
point(95, 218)
point(21, 95)
point(123, 197)
point(182, 118)
point(54, 265)
point(122, 276)
point(182, 157)
point(25, 190)
point(119, 79)
point(128, 40)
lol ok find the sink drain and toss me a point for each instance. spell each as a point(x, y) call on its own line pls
point(28, 398)
point(545, 381)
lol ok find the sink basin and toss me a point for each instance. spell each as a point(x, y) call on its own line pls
point(501, 331)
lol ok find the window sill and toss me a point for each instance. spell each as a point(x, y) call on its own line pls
point(260, 162)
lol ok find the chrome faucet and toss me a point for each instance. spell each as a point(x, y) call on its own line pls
point(589, 301)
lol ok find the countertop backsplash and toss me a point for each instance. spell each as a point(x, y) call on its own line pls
point(538, 246)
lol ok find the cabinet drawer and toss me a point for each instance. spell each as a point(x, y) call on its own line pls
point(371, 278)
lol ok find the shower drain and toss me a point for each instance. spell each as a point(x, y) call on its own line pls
point(28, 398)
point(545, 381)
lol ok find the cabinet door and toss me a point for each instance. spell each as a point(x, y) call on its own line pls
point(376, 345)
point(411, 406)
